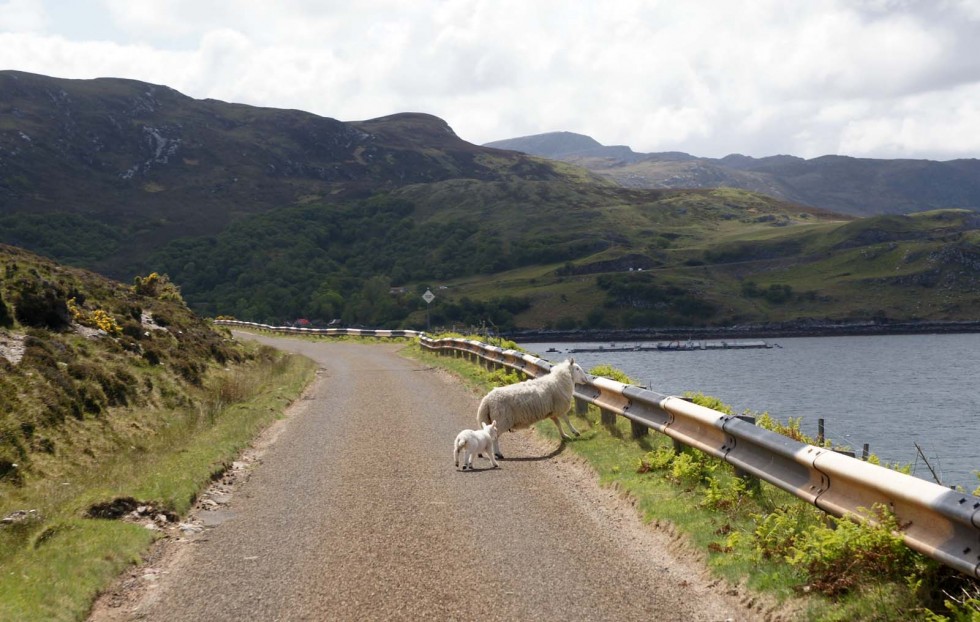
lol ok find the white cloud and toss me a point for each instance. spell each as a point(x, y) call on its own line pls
point(881, 78)
point(22, 16)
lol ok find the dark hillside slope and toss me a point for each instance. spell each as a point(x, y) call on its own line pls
point(134, 165)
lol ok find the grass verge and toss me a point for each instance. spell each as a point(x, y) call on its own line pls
point(752, 533)
point(54, 566)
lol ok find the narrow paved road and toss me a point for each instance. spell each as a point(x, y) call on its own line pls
point(356, 513)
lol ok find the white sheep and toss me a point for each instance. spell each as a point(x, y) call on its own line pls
point(522, 404)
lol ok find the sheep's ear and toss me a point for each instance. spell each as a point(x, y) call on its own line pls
point(571, 360)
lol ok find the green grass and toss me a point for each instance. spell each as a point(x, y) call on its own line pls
point(53, 568)
point(719, 516)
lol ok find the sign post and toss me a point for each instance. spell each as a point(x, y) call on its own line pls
point(428, 297)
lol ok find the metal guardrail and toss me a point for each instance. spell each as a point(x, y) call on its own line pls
point(938, 522)
point(331, 332)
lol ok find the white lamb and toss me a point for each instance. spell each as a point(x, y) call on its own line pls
point(522, 404)
point(475, 442)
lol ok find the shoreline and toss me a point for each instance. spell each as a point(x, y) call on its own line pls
point(755, 331)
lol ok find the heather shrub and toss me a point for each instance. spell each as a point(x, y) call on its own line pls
point(41, 304)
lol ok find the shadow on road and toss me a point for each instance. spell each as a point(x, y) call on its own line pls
point(547, 456)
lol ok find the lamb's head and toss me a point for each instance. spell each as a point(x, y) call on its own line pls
point(491, 429)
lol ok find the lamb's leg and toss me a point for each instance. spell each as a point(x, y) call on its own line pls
point(493, 460)
point(468, 459)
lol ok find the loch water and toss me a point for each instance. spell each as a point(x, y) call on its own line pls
point(888, 391)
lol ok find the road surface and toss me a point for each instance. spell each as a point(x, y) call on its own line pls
point(355, 512)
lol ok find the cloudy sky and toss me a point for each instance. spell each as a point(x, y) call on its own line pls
point(867, 78)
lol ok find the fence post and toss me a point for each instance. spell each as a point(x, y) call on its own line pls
point(864, 452)
point(820, 436)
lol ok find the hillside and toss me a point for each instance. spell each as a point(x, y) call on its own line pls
point(279, 216)
point(97, 172)
point(856, 186)
point(116, 402)
point(75, 347)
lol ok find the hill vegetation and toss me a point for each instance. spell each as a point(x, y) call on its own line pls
point(278, 216)
point(77, 347)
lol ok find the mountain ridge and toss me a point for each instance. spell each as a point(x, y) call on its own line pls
point(271, 215)
point(845, 184)
point(162, 165)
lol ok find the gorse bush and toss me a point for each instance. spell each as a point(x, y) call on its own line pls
point(157, 286)
point(97, 318)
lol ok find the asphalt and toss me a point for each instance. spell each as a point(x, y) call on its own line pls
point(356, 512)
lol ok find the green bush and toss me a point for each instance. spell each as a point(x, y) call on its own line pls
point(846, 553)
point(41, 304)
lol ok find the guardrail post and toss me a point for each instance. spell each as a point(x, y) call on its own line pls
point(864, 452)
point(820, 436)
point(607, 417)
point(638, 430)
point(581, 406)
point(751, 483)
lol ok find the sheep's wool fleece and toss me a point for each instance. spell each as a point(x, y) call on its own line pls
point(522, 404)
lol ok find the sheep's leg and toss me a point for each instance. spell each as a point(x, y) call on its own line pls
point(456, 456)
point(560, 429)
point(568, 422)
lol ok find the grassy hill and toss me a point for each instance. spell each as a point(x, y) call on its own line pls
point(112, 397)
point(276, 215)
point(99, 172)
point(77, 347)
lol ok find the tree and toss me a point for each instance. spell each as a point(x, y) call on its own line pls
point(326, 303)
point(373, 304)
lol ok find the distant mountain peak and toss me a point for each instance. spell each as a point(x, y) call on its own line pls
point(549, 144)
point(856, 186)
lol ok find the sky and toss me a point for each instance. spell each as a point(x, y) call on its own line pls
point(863, 78)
